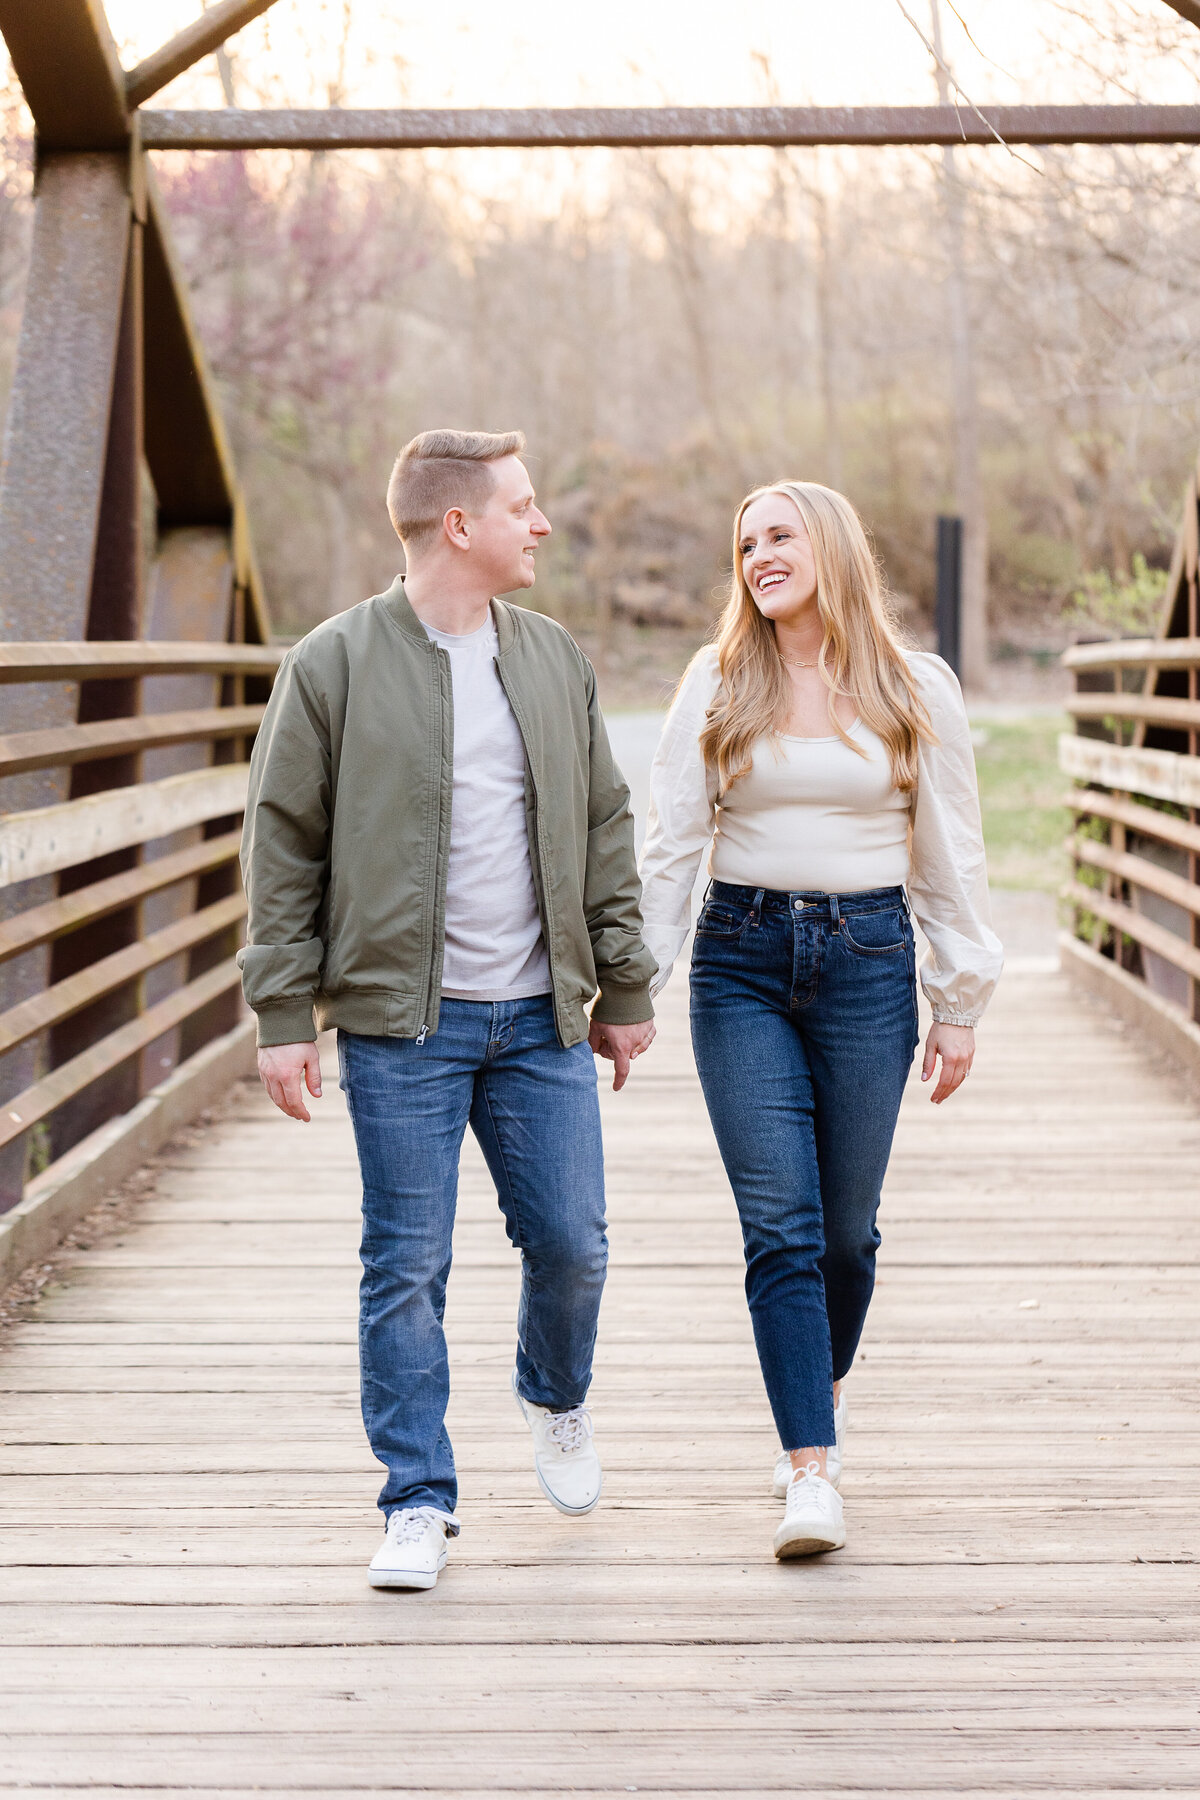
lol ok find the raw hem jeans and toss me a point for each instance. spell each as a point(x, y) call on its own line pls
point(804, 1023)
point(533, 1107)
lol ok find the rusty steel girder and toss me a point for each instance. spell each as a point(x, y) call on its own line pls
point(205, 34)
point(414, 128)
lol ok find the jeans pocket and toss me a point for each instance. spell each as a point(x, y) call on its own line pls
point(719, 920)
point(883, 933)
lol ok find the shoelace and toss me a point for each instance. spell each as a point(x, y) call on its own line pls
point(803, 1486)
point(412, 1523)
point(570, 1430)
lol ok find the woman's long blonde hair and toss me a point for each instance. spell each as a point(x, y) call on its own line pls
point(860, 654)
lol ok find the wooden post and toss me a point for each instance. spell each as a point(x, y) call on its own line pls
point(949, 590)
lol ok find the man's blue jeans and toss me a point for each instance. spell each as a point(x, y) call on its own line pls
point(533, 1107)
point(804, 1023)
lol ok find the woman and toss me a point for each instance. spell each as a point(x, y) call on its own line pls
point(830, 770)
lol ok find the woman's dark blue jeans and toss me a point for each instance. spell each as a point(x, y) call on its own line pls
point(804, 1023)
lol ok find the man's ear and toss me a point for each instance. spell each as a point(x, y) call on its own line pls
point(457, 529)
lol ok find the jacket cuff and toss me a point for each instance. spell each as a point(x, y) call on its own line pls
point(285, 1022)
point(942, 1017)
point(623, 1006)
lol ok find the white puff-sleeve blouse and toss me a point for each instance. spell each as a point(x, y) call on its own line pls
point(944, 867)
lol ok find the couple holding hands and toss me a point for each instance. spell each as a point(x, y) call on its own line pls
point(439, 861)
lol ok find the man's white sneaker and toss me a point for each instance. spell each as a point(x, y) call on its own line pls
point(813, 1520)
point(413, 1552)
point(568, 1469)
point(833, 1456)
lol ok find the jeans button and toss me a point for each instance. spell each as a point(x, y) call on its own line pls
point(799, 905)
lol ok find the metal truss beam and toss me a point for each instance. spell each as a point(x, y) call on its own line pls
point(187, 451)
point(68, 67)
point(351, 129)
point(53, 465)
point(206, 33)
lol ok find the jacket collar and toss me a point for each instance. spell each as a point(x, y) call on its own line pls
point(400, 608)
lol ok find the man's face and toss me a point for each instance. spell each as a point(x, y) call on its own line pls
point(505, 536)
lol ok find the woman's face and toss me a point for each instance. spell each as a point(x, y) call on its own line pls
point(777, 558)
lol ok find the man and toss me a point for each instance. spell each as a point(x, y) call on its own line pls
point(438, 857)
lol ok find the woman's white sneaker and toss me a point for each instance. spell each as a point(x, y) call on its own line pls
point(413, 1552)
point(564, 1457)
point(814, 1520)
point(781, 1479)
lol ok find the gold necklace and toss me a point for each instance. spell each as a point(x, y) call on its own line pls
point(793, 664)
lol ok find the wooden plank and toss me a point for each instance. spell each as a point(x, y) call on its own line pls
point(1146, 819)
point(38, 1101)
point(1164, 943)
point(1134, 653)
point(203, 35)
point(188, 1493)
point(49, 838)
point(1136, 870)
point(1150, 709)
point(91, 661)
point(56, 917)
point(70, 744)
point(412, 128)
point(1156, 1019)
point(55, 1201)
point(1160, 773)
point(662, 1759)
point(67, 997)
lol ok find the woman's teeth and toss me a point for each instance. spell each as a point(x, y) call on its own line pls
point(769, 581)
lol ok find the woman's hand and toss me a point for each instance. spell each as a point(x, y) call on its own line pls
point(621, 1044)
point(955, 1044)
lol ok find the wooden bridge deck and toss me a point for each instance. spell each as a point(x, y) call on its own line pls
point(188, 1502)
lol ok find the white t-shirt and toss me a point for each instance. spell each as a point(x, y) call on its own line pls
point(494, 946)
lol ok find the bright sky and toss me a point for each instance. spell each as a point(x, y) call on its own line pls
point(565, 52)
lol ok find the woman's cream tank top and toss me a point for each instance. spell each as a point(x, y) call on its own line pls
point(811, 814)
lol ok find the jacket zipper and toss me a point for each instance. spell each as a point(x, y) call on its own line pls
point(443, 674)
point(535, 845)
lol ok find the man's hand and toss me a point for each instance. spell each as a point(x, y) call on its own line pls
point(955, 1044)
point(284, 1070)
point(620, 1044)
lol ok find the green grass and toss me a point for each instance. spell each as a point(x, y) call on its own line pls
point(1021, 790)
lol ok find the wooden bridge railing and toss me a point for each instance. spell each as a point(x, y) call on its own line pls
point(122, 907)
point(1134, 895)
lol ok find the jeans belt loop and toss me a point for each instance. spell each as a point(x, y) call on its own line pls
point(756, 906)
point(835, 912)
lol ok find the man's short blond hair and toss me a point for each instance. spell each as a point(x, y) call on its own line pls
point(442, 469)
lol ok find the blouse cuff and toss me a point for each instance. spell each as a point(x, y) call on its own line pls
point(942, 1017)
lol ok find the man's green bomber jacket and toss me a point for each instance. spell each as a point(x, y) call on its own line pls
point(347, 834)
